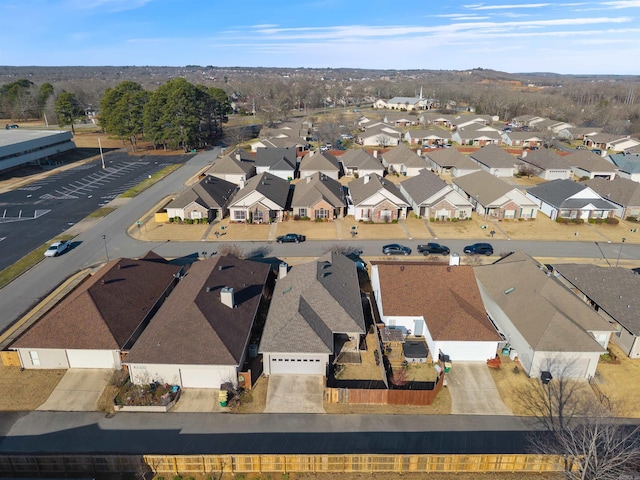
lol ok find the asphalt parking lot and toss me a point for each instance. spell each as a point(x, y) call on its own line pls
point(35, 213)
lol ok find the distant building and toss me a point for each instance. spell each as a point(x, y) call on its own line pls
point(21, 147)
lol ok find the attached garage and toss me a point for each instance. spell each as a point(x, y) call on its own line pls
point(205, 377)
point(287, 364)
point(93, 359)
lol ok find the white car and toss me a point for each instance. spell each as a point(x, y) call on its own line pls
point(57, 248)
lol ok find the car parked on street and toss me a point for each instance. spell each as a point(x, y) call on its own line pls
point(428, 248)
point(57, 248)
point(479, 249)
point(291, 238)
point(395, 249)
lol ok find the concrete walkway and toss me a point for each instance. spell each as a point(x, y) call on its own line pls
point(295, 394)
point(78, 391)
point(473, 391)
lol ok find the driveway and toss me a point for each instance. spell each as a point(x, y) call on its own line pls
point(473, 391)
point(78, 391)
point(199, 400)
point(295, 394)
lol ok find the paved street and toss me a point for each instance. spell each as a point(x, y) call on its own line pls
point(178, 433)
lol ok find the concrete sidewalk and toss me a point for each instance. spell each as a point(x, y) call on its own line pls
point(78, 391)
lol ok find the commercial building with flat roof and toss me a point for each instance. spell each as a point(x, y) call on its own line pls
point(21, 147)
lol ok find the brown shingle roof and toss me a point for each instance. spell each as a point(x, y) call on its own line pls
point(446, 297)
point(105, 310)
point(194, 327)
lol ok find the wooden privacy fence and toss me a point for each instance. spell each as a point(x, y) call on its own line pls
point(356, 396)
point(164, 465)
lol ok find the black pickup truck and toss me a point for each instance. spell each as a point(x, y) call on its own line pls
point(428, 248)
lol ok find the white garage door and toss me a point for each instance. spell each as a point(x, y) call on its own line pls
point(199, 378)
point(91, 359)
point(297, 365)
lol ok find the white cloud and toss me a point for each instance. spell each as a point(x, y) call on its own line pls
point(481, 6)
point(622, 4)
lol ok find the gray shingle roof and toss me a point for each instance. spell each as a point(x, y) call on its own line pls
point(450, 157)
point(423, 185)
point(276, 158)
point(194, 327)
point(361, 159)
point(402, 154)
point(557, 193)
point(495, 157)
point(228, 165)
point(320, 161)
point(614, 290)
point(210, 192)
point(622, 191)
point(488, 188)
point(366, 186)
point(547, 315)
point(314, 301)
point(589, 161)
point(309, 191)
point(545, 159)
point(274, 188)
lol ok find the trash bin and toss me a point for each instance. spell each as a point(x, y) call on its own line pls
point(223, 398)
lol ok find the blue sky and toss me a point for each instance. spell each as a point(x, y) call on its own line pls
point(597, 37)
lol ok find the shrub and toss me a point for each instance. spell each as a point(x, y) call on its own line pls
point(562, 220)
point(454, 219)
point(577, 221)
point(171, 220)
point(612, 221)
point(296, 217)
point(631, 219)
point(592, 220)
point(395, 220)
point(432, 219)
point(318, 220)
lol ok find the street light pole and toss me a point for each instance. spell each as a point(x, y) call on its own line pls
point(106, 252)
point(620, 252)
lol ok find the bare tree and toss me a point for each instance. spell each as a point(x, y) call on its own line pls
point(584, 434)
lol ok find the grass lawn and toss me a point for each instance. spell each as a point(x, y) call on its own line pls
point(142, 186)
point(28, 389)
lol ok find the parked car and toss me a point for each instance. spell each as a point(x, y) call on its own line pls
point(7, 126)
point(291, 238)
point(57, 248)
point(396, 249)
point(479, 249)
point(428, 248)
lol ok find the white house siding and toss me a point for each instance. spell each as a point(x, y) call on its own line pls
point(232, 177)
point(309, 173)
point(635, 177)
point(284, 174)
point(94, 359)
point(295, 364)
point(187, 376)
point(566, 364)
point(555, 174)
point(544, 207)
point(466, 351)
point(43, 358)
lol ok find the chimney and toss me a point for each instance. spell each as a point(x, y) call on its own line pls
point(524, 153)
point(241, 184)
point(419, 152)
point(226, 297)
point(282, 270)
point(366, 179)
point(238, 156)
point(308, 179)
point(375, 154)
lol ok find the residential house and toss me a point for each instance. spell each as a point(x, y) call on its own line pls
point(207, 199)
point(281, 162)
point(477, 134)
point(404, 103)
point(278, 142)
point(449, 161)
point(200, 336)
point(440, 120)
point(401, 120)
point(546, 327)
point(614, 143)
point(403, 161)
point(494, 197)
point(101, 318)
point(315, 312)
point(319, 196)
point(577, 133)
point(381, 135)
point(437, 301)
point(628, 165)
point(496, 161)
point(428, 137)
point(466, 120)
point(430, 197)
point(569, 199)
point(375, 199)
point(613, 294)
point(622, 192)
point(358, 162)
point(320, 162)
point(264, 198)
point(232, 169)
point(546, 164)
point(522, 139)
point(587, 164)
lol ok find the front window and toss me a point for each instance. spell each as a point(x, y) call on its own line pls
point(302, 212)
point(240, 215)
point(322, 213)
point(258, 216)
